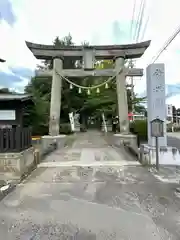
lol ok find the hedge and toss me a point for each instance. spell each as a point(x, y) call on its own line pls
point(65, 128)
point(139, 128)
point(169, 128)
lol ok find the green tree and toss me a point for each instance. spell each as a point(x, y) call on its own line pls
point(106, 100)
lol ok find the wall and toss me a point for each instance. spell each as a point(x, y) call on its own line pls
point(50, 143)
point(14, 165)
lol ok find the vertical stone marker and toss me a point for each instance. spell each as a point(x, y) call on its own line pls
point(155, 77)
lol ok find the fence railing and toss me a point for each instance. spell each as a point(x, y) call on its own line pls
point(15, 139)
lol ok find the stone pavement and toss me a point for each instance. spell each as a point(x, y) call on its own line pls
point(88, 150)
point(77, 194)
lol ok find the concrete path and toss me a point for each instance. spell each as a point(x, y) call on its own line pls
point(173, 139)
point(77, 193)
point(88, 150)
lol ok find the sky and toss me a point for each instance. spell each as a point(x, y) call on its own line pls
point(98, 22)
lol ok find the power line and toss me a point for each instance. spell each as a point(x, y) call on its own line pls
point(140, 20)
point(145, 27)
point(132, 20)
point(137, 31)
point(138, 25)
point(167, 43)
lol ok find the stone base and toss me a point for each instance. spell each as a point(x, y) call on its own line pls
point(128, 140)
point(49, 142)
point(167, 155)
point(14, 165)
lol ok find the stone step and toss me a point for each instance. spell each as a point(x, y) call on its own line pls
point(92, 164)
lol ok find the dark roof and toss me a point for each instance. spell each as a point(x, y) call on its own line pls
point(2, 60)
point(145, 44)
point(11, 97)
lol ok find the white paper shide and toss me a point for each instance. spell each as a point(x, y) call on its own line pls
point(71, 119)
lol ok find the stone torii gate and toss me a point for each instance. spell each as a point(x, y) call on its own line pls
point(88, 54)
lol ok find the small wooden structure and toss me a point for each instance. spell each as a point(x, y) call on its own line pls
point(14, 135)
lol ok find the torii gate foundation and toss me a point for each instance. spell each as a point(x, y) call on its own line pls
point(118, 53)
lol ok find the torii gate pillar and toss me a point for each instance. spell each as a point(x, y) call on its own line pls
point(55, 106)
point(124, 137)
point(122, 96)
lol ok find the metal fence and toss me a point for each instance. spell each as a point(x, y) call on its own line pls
point(15, 139)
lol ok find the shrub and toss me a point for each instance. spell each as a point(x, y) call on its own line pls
point(177, 129)
point(169, 127)
point(65, 128)
point(139, 127)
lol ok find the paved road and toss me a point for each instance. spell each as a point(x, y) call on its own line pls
point(90, 191)
point(173, 140)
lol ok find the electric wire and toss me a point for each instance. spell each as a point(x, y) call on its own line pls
point(166, 44)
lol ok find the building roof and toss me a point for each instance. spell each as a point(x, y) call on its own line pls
point(11, 97)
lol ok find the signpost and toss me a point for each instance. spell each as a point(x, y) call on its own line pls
point(157, 130)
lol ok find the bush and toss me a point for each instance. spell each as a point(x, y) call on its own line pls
point(65, 128)
point(139, 127)
point(169, 127)
point(176, 129)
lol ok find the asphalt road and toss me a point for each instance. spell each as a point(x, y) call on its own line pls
point(173, 142)
point(91, 203)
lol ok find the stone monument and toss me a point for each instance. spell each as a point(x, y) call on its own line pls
point(156, 108)
point(155, 82)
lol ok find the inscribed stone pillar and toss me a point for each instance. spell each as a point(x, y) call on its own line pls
point(122, 96)
point(155, 77)
point(55, 106)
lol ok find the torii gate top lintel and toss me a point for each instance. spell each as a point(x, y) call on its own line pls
point(128, 51)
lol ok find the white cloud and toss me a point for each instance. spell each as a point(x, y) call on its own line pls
point(41, 21)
